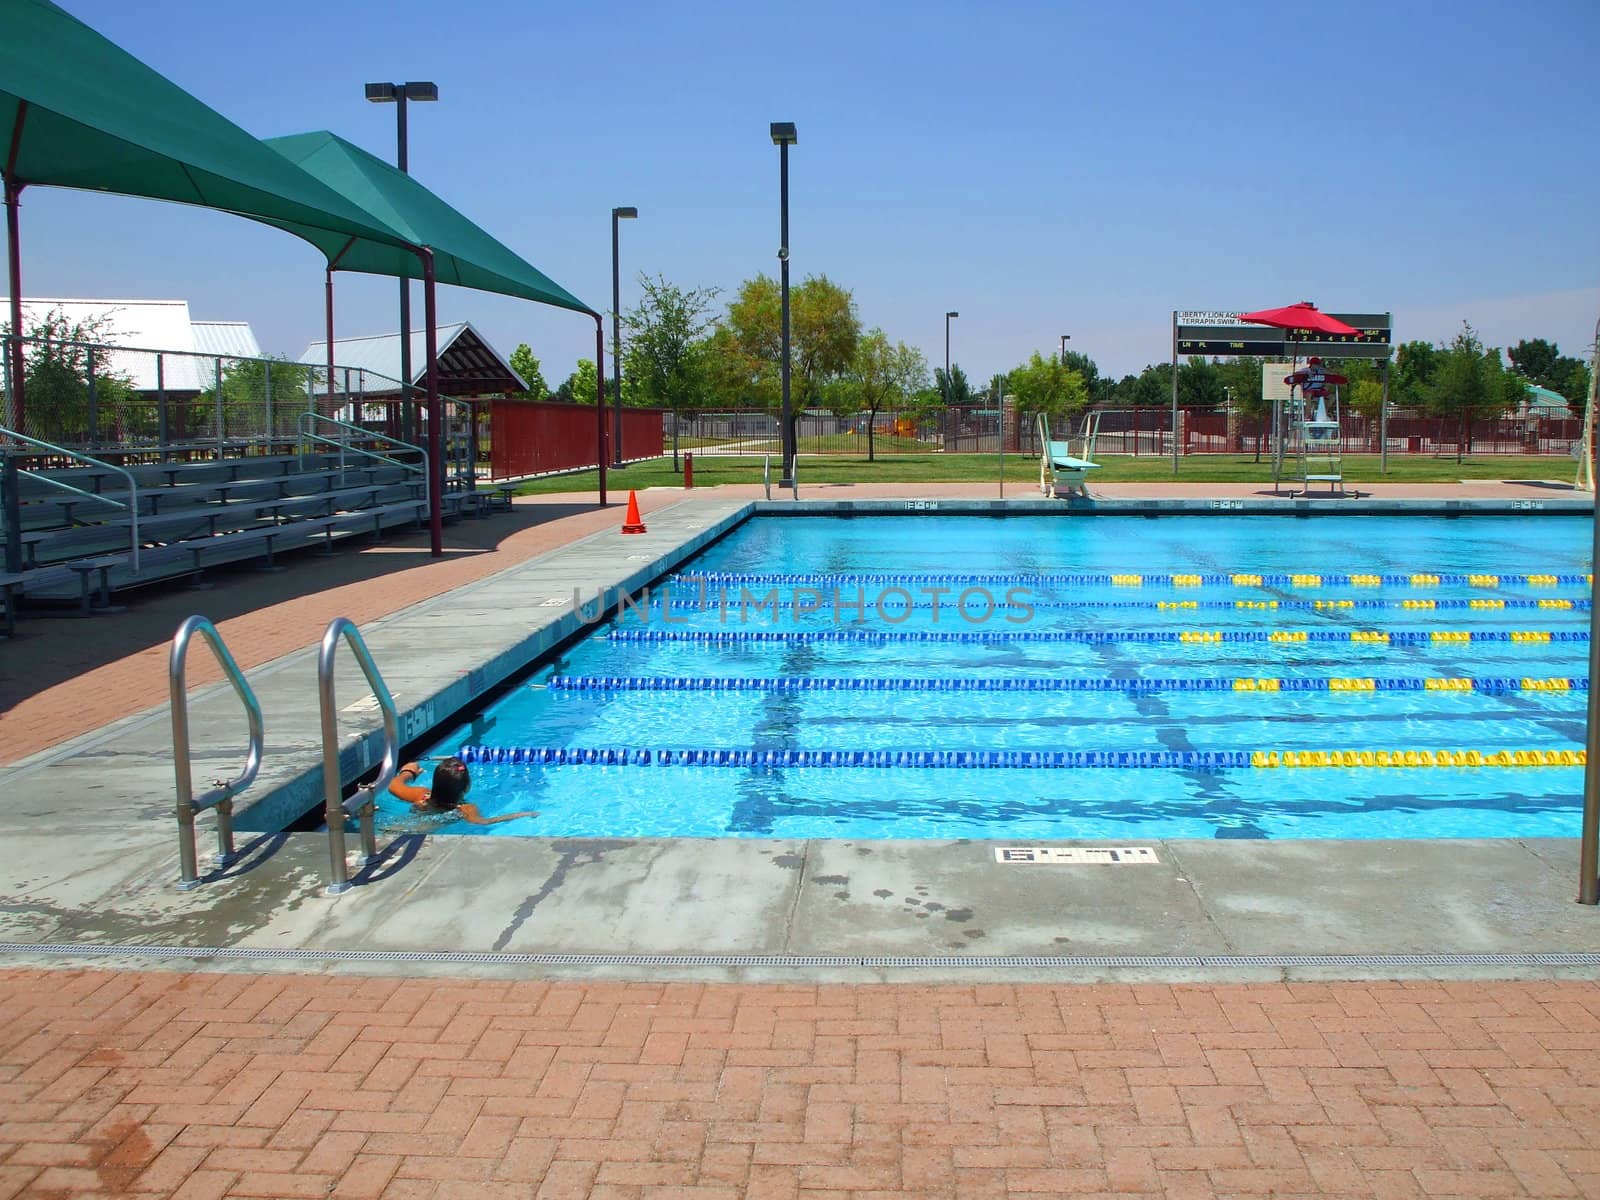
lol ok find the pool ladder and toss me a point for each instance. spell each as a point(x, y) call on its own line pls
point(766, 476)
point(222, 792)
point(361, 804)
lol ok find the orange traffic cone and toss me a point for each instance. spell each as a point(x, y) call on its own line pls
point(632, 523)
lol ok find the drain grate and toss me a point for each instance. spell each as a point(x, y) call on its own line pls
point(791, 961)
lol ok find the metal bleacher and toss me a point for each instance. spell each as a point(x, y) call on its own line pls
point(124, 488)
point(77, 548)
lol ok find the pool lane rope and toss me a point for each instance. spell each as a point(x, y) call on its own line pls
point(1095, 637)
point(1193, 760)
point(1416, 579)
point(679, 602)
point(685, 683)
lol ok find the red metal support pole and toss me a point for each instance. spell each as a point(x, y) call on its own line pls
point(13, 194)
point(435, 411)
point(600, 400)
point(327, 302)
point(14, 345)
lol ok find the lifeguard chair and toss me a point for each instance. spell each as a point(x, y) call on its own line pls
point(1319, 448)
point(1061, 472)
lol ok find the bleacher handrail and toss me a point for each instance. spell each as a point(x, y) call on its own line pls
point(133, 485)
point(222, 793)
point(307, 420)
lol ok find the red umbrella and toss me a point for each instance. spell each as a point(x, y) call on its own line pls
point(1304, 315)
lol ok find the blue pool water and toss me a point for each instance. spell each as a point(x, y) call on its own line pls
point(863, 653)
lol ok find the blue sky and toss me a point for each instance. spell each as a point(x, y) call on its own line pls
point(1043, 168)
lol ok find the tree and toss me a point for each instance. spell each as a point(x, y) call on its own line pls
point(1200, 385)
point(732, 378)
point(1099, 388)
point(1414, 368)
point(883, 374)
point(1241, 382)
point(525, 364)
point(1153, 388)
point(953, 390)
point(1366, 398)
point(1542, 362)
point(823, 331)
point(581, 386)
point(1534, 361)
point(1469, 383)
point(1047, 385)
point(246, 386)
point(664, 335)
point(56, 379)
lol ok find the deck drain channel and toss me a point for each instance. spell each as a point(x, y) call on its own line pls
point(968, 962)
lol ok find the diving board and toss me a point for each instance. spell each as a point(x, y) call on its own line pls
point(1062, 473)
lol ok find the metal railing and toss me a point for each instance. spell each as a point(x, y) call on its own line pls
point(362, 803)
point(308, 425)
point(222, 793)
point(11, 518)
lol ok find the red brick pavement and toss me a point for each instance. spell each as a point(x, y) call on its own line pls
point(157, 1084)
point(211, 1085)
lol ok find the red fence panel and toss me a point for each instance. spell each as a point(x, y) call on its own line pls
point(529, 438)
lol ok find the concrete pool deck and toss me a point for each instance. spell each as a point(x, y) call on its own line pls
point(92, 852)
point(890, 1043)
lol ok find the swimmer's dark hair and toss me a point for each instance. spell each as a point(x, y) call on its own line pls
point(450, 785)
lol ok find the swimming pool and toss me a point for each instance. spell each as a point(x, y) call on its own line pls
point(1040, 677)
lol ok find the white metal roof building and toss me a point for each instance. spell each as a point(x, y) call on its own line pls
point(150, 326)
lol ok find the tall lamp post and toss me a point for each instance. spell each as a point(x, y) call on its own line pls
point(1589, 838)
point(397, 94)
point(784, 136)
point(617, 214)
point(948, 390)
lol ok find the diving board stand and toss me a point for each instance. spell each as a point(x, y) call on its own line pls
point(1061, 472)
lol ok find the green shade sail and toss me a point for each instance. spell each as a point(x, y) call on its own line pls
point(94, 117)
point(463, 254)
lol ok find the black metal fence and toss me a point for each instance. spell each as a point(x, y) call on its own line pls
point(976, 430)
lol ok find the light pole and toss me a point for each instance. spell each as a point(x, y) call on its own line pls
point(784, 136)
point(397, 94)
point(947, 388)
point(617, 214)
point(1065, 338)
point(1589, 837)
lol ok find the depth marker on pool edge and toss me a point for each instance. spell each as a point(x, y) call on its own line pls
point(1099, 856)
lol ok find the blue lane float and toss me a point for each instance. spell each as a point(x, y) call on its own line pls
point(1415, 579)
point(969, 760)
point(684, 683)
point(680, 603)
point(1093, 637)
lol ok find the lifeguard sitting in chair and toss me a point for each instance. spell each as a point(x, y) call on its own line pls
point(1062, 473)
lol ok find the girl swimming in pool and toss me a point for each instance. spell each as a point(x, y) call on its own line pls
point(451, 782)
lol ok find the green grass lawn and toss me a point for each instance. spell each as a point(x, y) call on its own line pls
point(1023, 470)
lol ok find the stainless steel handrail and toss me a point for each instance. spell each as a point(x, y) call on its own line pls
point(766, 475)
point(361, 804)
point(221, 795)
point(306, 418)
point(133, 485)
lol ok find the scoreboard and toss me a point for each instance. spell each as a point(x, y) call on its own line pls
point(1222, 334)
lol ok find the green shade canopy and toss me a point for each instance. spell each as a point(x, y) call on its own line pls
point(463, 254)
point(92, 116)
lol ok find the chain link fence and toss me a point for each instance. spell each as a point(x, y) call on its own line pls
point(133, 405)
